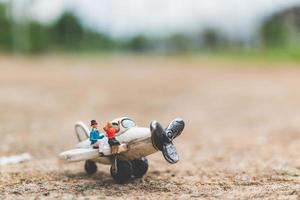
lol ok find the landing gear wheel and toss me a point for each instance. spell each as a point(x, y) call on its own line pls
point(90, 167)
point(124, 171)
point(140, 167)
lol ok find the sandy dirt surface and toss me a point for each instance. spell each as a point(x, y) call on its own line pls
point(242, 136)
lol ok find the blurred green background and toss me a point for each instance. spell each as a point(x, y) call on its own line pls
point(276, 35)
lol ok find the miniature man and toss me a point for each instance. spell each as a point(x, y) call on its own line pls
point(95, 135)
point(111, 134)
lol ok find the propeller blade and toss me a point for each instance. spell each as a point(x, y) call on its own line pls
point(170, 153)
point(175, 128)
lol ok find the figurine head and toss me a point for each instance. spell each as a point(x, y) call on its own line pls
point(109, 125)
point(94, 124)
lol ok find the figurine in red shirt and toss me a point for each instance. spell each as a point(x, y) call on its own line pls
point(111, 134)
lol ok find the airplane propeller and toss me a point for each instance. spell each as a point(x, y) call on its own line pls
point(162, 138)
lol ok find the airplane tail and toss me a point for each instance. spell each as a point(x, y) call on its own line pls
point(162, 138)
point(82, 131)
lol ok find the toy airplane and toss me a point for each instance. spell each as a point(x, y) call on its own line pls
point(135, 144)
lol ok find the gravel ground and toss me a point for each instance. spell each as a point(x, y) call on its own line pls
point(242, 138)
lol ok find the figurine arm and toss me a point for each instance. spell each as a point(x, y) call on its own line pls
point(118, 128)
point(101, 136)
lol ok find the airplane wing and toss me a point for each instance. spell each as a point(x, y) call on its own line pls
point(133, 150)
point(79, 154)
point(89, 153)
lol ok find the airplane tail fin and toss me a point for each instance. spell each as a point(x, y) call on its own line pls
point(82, 131)
point(162, 138)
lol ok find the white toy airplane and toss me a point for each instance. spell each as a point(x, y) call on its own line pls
point(136, 144)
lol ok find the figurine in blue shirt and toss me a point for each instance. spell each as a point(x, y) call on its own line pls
point(95, 135)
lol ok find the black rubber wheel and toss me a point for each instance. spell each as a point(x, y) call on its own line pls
point(124, 171)
point(140, 167)
point(90, 167)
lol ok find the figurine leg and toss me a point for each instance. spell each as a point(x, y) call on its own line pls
point(113, 149)
point(114, 167)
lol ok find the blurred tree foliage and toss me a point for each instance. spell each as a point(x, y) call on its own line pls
point(282, 31)
point(139, 43)
point(179, 42)
point(211, 39)
point(38, 41)
point(274, 32)
point(5, 30)
point(67, 33)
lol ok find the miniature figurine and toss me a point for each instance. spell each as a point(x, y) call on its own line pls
point(113, 142)
point(95, 135)
point(135, 144)
point(111, 134)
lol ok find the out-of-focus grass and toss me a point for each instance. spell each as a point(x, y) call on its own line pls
point(219, 58)
point(268, 55)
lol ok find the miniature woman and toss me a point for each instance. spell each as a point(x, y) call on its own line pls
point(95, 135)
point(113, 142)
point(111, 134)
